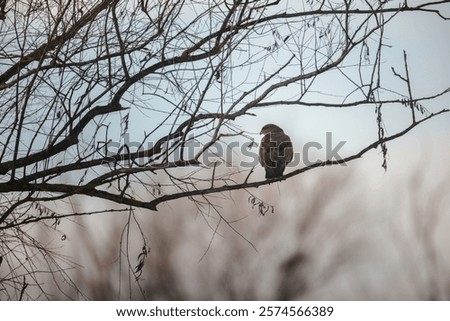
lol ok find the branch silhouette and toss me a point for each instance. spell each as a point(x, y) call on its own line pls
point(105, 101)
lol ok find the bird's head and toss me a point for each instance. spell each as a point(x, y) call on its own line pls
point(270, 128)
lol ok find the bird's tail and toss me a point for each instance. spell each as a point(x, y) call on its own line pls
point(277, 170)
point(281, 165)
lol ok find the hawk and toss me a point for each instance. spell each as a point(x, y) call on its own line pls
point(275, 150)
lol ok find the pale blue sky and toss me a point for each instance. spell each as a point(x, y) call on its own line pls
point(424, 37)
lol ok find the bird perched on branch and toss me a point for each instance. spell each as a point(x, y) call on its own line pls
point(275, 150)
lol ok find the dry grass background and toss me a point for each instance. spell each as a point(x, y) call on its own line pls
point(336, 233)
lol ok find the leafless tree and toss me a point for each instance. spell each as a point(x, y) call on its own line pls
point(126, 100)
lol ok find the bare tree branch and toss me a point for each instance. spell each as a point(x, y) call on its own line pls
point(129, 102)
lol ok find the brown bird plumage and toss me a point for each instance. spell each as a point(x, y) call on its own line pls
point(275, 150)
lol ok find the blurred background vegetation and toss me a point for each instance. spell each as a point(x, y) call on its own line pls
point(349, 232)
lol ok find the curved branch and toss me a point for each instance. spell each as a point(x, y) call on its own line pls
point(55, 42)
point(153, 204)
point(69, 140)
